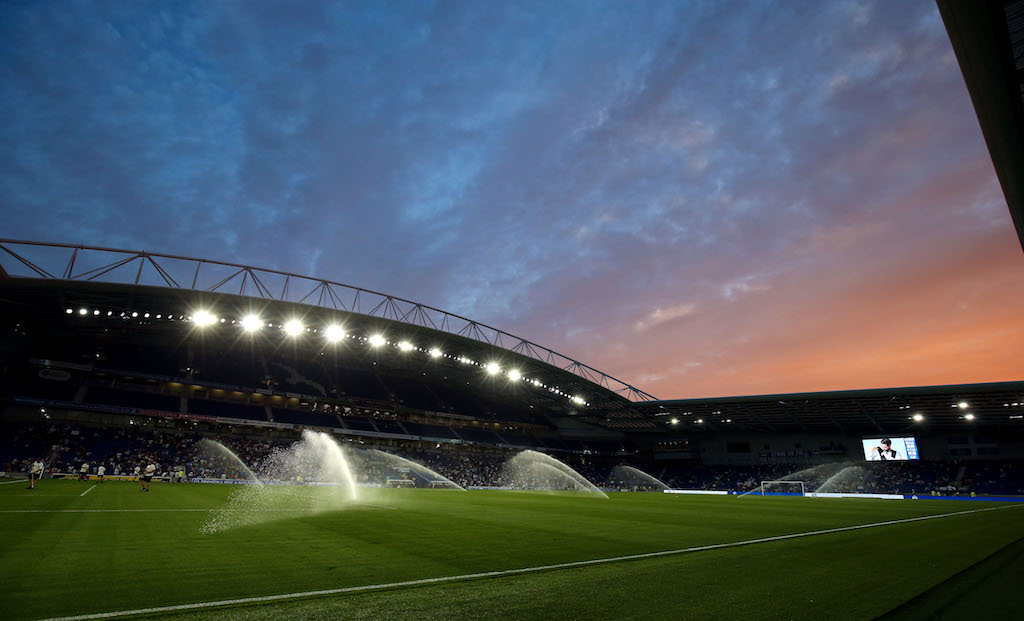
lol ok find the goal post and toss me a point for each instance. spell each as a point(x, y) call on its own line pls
point(795, 488)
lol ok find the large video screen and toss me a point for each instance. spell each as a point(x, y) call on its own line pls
point(890, 449)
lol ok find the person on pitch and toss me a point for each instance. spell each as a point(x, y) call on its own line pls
point(35, 473)
point(147, 477)
point(885, 452)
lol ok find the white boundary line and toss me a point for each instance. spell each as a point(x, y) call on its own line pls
point(505, 572)
point(86, 491)
point(14, 481)
point(366, 505)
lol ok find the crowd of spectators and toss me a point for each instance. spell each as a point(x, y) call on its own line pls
point(175, 449)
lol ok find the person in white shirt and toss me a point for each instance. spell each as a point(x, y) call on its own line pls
point(884, 452)
point(147, 477)
point(100, 472)
point(136, 472)
point(35, 473)
point(83, 472)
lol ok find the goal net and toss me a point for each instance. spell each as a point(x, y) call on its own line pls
point(442, 485)
point(794, 488)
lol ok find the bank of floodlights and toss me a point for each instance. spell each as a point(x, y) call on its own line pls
point(334, 333)
point(252, 323)
point(201, 318)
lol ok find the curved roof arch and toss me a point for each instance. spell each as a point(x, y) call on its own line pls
point(81, 263)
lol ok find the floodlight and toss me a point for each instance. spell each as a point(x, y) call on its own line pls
point(70, 311)
point(514, 375)
point(251, 323)
point(201, 318)
point(405, 345)
point(700, 420)
point(293, 327)
point(492, 368)
point(674, 421)
point(969, 416)
point(135, 313)
point(918, 417)
point(96, 312)
point(82, 311)
point(962, 405)
point(334, 333)
point(435, 353)
point(376, 340)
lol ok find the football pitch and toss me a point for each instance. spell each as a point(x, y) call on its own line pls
point(78, 549)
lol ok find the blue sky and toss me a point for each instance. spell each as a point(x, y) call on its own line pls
point(701, 198)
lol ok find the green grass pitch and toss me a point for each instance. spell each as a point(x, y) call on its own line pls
point(63, 553)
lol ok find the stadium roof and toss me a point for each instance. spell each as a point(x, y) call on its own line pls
point(988, 38)
point(992, 406)
point(95, 288)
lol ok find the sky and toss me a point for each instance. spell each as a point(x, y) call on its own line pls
point(698, 198)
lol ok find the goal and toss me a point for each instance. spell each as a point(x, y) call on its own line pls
point(790, 488)
point(442, 485)
point(401, 483)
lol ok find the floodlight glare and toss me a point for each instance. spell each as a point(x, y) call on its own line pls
point(405, 346)
point(435, 353)
point(69, 311)
point(376, 340)
point(969, 416)
point(962, 405)
point(334, 333)
point(251, 323)
point(201, 318)
point(918, 418)
point(82, 311)
point(293, 327)
point(492, 368)
point(514, 375)
point(674, 421)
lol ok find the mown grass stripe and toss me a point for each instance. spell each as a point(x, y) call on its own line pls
point(507, 572)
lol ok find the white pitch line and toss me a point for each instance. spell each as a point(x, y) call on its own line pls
point(86, 491)
point(14, 481)
point(504, 572)
point(369, 506)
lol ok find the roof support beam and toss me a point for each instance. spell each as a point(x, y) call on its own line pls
point(868, 416)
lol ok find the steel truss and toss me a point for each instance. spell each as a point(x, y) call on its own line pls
point(70, 262)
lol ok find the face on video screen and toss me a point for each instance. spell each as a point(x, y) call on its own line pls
point(890, 449)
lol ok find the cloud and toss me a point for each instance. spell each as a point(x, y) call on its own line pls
point(659, 316)
point(587, 175)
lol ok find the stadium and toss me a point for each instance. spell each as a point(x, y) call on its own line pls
point(190, 438)
point(478, 466)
